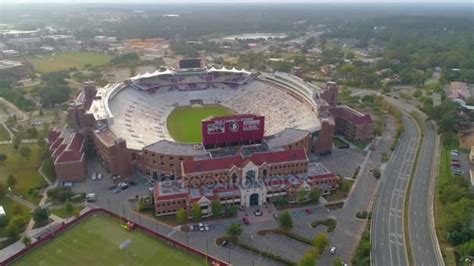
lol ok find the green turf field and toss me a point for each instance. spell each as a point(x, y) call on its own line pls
point(96, 241)
point(184, 123)
point(64, 61)
point(25, 170)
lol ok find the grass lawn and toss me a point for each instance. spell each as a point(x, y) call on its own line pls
point(184, 123)
point(96, 241)
point(340, 144)
point(444, 176)
point(24, 170)
point(63, 213)
point(64, 61)
point(4, 133)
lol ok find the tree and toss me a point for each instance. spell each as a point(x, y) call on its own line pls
point(308, 259)
point(11, 181)
point(377, 173)
point(314, 195)
point(320, 242)
point(40, 215)
point(26, 240)
point(25, 152)
point(231, 210)
point(3, 190)
point(16, 142)
point(234, 231)
point(181, 216)
point(68, 207)
point(217, 208)
point(285, 221)
point(197, 213)
point(15, 226)
point(3, 157)
point(338, 262)
point(302, 195)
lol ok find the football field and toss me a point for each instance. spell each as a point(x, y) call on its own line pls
point(96, 241)
point(184, 122)
point(66, 60)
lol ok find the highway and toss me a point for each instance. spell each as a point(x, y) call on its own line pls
point(422, 236)
point(388, 244)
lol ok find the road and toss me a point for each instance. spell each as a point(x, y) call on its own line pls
point(422, 235)
point(388, 245)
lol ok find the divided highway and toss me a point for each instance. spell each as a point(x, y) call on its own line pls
point(424, 245)
point(388, 244)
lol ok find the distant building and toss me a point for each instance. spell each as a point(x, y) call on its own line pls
point(12, 69)
point(459, 91)
point(25, 44)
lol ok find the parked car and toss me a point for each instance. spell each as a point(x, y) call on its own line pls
point(99, 176)
point(94, 176)
point(201, 227)
point(132, 183)
point(67, 184)
point(275, 215)
point(206, 227)
point(455, 164)
point(308, 211)
point(332, 250)
point(195, 227)
point(245, 220)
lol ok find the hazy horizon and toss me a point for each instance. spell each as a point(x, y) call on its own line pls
point(229, 1)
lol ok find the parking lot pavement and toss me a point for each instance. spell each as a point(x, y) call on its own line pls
point(278, 245)
point(463, 159)
point(351, 158)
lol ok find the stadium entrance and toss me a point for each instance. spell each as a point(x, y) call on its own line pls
point(254, 199)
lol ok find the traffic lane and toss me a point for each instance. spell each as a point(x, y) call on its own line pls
point(349, 228)
point(387, 230)
point(423, 250)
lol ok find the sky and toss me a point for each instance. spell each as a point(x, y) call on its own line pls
point(229, 1)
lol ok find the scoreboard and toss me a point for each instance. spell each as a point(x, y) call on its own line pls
point(232, 130)
point(190, 63)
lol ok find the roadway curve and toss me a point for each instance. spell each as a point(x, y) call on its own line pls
point(422, 236)
point(388, 244)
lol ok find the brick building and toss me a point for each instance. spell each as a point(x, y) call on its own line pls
point(67, 152)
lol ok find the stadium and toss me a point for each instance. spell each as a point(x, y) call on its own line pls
point(217, 133)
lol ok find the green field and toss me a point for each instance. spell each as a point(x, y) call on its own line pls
point(184, 123)
point(96, 240)
point(67, 60)
point(24, 170)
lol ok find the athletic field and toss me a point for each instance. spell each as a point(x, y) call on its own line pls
point(64, 61)
point(184, 122)
point(96, 241)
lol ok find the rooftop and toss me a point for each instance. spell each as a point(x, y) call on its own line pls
point(240, 161)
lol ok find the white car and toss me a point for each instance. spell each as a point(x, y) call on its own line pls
point(206, 227)
point(94, 176)
point(201, 227)
point(332, 250)
point(99, 176)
